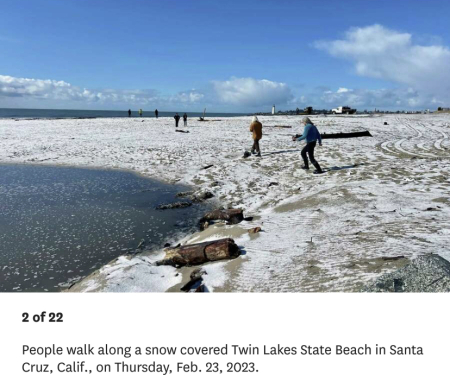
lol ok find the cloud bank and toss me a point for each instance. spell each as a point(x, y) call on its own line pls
point(386, 54)
point(240, 93)
point(251, 92)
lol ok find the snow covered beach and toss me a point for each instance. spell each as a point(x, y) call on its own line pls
point(383, 196)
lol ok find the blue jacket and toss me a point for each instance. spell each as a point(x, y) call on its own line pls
point(311, 134)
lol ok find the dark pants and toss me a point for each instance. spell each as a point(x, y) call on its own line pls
point(309, 148)
point(255, 146)
point(185, 123)
point(176, 122)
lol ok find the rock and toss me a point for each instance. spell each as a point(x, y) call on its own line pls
point(185, 194)
point(195, 254)
point(167, 245)
point(191, 284)
point(231, 216)
point(273, 184)
point(385, 124)
point(174, 205)
point(197, 273)
point(202, 196)
point(201, 288)
point(196, 197)
point(254, 230)
point(248, 218)
point(428, 273)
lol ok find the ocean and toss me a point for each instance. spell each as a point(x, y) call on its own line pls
point(60, 113)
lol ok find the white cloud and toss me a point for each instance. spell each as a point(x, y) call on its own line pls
point(238, 93)
point(383, 53)
point(251, 92)
point(192, 96)
point(51, 92)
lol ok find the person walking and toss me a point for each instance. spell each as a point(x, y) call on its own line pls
point(185, 119)
point(140, 112)
point(129, 112)
point(256, 129)
point(156, 113)
point(311, 135)
point(177, 119)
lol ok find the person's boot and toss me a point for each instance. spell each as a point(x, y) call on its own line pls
point(305, 167)
point(259, 154)
point(318, 169)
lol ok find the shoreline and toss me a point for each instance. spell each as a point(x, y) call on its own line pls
point(353, 201)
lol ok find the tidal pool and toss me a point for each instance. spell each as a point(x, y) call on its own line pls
point(59, 224)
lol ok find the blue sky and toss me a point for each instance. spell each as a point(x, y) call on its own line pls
point(228, 55)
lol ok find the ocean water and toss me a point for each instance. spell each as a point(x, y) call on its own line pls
point(59, 224)
point(50, 113)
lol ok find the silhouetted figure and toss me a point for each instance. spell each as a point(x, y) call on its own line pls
point(156, 113)
point(185, 119)
point(177, 118)
point(140, 112)
point(310, 135)
point(129, 112)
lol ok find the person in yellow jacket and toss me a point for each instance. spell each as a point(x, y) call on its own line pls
point(140, 112)
point(256, 129)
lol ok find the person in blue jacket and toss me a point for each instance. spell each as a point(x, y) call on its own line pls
point(311, 135)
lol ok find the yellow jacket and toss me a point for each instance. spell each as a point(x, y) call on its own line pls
point(256, 129)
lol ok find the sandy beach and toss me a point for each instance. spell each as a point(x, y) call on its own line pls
point(383, 196)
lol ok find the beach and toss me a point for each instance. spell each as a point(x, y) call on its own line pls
point(381, 196)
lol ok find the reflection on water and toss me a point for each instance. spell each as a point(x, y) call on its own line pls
point(59, 224)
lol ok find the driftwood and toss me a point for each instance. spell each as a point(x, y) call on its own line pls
point(195, 254)
point(283, 126)
point(343, 135)
point(174, 205)
point(182, 131)
point(392, 258)
point(232, 216)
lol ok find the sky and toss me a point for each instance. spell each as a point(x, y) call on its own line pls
point(227, 56)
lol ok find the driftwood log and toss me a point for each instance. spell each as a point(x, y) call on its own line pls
point(231, 216)
point(342, 135)
point(195, 254)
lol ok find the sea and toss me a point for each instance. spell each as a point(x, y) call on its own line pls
point(60, 113)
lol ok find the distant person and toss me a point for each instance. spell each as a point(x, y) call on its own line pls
point(156, 113)
point(129, 112)
point(256, 129)
point(140, 112)
point(177, 119)
point(311, 135)
point(185, 119)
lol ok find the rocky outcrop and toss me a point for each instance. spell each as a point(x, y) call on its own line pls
point(429, 273)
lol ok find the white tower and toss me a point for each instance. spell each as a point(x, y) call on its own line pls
point(273, 109)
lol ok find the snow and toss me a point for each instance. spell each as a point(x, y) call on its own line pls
point(381, 196)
